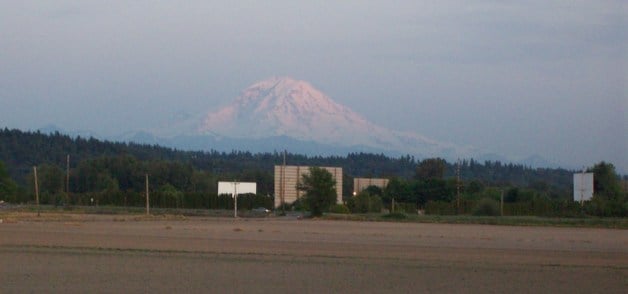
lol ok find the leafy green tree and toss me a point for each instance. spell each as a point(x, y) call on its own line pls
point(108, 189)
point(608, 198)
point(320, 190)
point(400, 190)
point(491, 193)
point(365, 202)
point(512, 195)
point(474, 187)
point(8, 188)
point(106, 183)
point(434, 190)
point(374, 190)
point(606, 182)
point(169, 196)
point(51, 179)
point(202, 181)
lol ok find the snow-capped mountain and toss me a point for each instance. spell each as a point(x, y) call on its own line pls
point(286, 114)
point(285, 107)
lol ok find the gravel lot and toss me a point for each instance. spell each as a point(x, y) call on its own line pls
point(104, 253)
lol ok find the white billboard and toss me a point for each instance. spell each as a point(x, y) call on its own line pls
point(582, 186)
point(236, 188)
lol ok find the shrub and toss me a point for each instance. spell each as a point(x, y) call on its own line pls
point(395, 215)
point(284, 207)
point(599, 206)
point(364, 203)
point(486, 207)
point(409, 208)
point(339, 208)
point(440, 208)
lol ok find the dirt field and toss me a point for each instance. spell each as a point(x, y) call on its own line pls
point(89, 253)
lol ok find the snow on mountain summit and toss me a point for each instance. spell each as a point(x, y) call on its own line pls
point(283, 106)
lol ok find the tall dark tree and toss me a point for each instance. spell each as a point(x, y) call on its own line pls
point(320, 190)
point(431, 168)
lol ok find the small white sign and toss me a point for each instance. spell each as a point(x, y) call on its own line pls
point(582, 186)
point(236, 188)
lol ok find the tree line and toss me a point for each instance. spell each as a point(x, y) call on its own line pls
point(113, 173)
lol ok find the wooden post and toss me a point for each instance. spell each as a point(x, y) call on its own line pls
point(67, 178)
point(36, 189)
point(147, 197)
point(282, 194)
point(501, 208)
point(235, 199)
point(393, 205)
point(582, 187)
point(458, 187)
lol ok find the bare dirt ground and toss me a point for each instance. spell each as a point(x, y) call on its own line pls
point(96, 253)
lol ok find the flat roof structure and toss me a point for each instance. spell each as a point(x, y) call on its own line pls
point(287, 177)
point(360, 184)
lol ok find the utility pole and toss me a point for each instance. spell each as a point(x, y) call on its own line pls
point(147, 197)
point(235, 199)
point(36, 189)
point(67, 177)
point(283, 184)
point(501, 206)
point(458, 187)
point(582, 187)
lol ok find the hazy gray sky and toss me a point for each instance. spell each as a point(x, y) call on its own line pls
point(512, 77)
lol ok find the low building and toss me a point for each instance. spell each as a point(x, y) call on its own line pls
point(360, 184)
point(287, 177)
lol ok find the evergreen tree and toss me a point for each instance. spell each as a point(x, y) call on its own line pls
point(431, 168)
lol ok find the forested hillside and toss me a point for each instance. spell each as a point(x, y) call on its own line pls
point(114, 168)
point(22, 150)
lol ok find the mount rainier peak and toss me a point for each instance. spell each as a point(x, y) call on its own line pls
point(283, 106)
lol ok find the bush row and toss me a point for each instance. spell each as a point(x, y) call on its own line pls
point(158, 199)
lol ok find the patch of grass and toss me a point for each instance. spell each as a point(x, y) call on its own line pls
point(585, 222)
point(129, 213)
point(78, 213)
